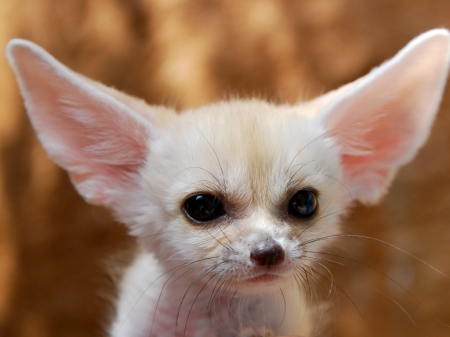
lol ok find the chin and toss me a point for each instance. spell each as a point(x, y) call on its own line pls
point(263, 283)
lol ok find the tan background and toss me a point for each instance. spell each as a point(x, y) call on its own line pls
point(54, 248)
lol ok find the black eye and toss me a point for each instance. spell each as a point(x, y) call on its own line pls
point(303, 204)
point(203, 207)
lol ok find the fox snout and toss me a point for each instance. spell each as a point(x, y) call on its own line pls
point(267, 253)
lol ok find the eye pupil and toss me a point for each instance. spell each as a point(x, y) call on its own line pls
point(203, 207)
point(303, 204)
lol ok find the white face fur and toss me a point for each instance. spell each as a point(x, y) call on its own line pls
point(254, 158)
point(245, 189)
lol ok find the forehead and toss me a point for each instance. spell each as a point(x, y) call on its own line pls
point(249, 149)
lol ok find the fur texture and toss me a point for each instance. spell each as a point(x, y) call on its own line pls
point(143, 162)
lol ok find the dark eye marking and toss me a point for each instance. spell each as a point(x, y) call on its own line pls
point(203, 207)
point(303, 204)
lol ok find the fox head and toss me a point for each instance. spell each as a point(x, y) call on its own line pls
point(249, 190)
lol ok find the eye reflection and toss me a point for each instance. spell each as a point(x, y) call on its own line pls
point(303, 204)
point(203, 207)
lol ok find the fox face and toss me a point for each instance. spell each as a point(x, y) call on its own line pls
point(234, 187)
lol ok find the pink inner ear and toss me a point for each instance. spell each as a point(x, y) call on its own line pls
point(378, 128)
point(381, 120)
point(95, 139)
point(386, 142)
point(374, 141)
point(84, 126)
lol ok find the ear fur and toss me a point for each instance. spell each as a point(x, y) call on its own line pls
point(88, 129)
point(101, 136)
point(381, 120)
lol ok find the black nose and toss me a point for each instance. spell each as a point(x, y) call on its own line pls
point(271, 253)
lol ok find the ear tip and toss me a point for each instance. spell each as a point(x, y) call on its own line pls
point(16, 45)
point(438, 32)
point(438, 35)
point(435, 43)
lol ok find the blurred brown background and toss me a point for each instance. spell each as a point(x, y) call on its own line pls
point(54, 249)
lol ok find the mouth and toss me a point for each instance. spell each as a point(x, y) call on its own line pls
point(264, 278)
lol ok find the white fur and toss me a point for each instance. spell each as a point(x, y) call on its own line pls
point(143, 162)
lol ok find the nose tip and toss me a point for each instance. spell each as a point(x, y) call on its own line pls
point(268, 255)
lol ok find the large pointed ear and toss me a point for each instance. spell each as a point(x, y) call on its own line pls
point(90, 130)
point(381, 120)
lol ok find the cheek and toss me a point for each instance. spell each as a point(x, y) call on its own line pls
point(193, 242)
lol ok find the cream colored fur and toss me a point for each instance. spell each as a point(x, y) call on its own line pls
point(143, 162)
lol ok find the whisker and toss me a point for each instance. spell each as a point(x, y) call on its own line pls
point(291, 178)
point(328, 271)
point(231, 304)
point(369, 267)
point(312, 292)
point(347, 296)
point(317, 138)
point(162, 290)
point(193, 283)
point(317, 220)
point(305, 283)
point(284, 311)
point(193, 302)
point(215, 154)
point(148, 287)
point(355, 236)
point(304, 147)
point(218, 241)
point(220, 227)
point(379, 272)
point(213, 291)
point(336, 180)
point(327, 260)
point(390, 298)
point(218, 182)
point(300, 286)
point(396, 303)
point(197, 182)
